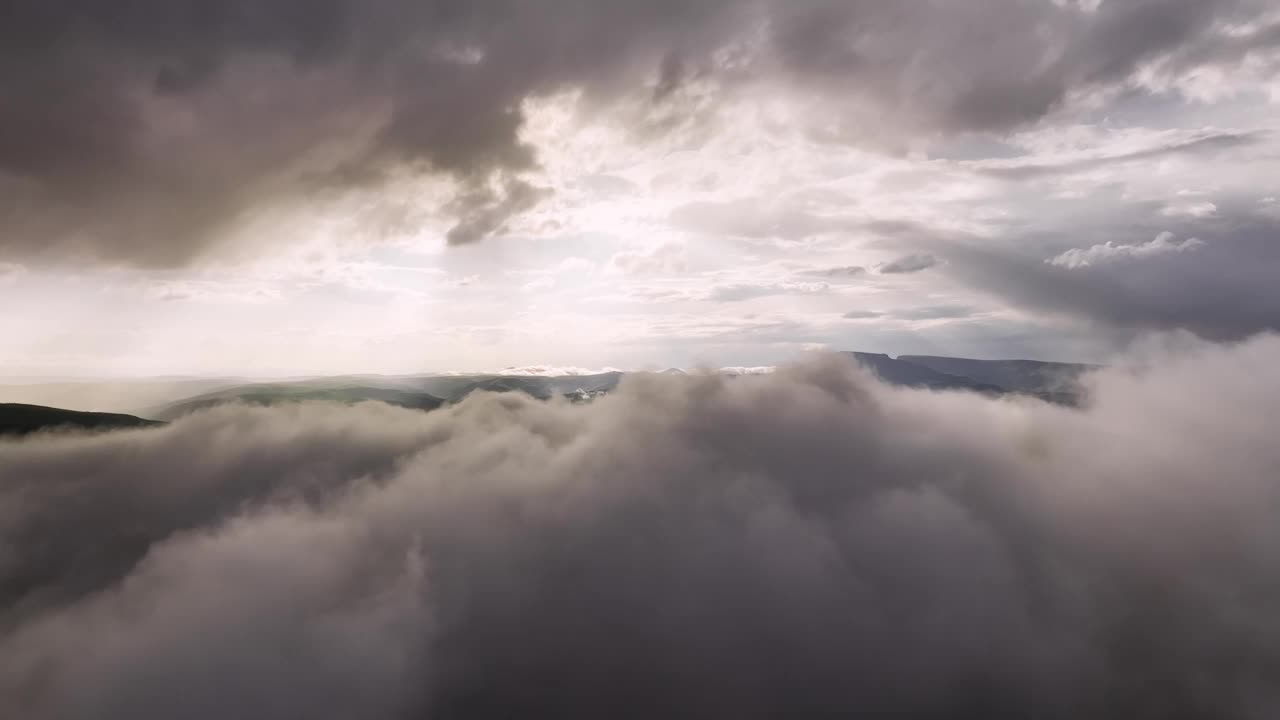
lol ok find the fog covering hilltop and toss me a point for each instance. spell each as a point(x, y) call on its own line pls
point(1056, 382)
point(299, 391)
point(426, 392)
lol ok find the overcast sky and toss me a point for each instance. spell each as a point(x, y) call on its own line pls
point(393, 186)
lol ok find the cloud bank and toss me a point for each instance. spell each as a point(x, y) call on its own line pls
point(806, 542)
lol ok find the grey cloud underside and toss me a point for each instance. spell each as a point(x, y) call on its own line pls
point(139, 132)
point(810, 542)
point(1225, 289)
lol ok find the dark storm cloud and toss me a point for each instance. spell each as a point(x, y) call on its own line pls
point(1215, 277)
point(142, 132)
point(808, 543)
point(139, 131)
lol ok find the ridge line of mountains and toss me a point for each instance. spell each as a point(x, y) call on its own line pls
point(1055, 382)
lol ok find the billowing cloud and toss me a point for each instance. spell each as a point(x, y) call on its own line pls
point(145, 132)
point(1110, 252)
point(801, 543)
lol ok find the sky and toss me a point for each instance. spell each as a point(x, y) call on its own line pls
point(286, 187)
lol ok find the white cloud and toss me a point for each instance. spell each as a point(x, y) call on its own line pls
point(575, 266)
point(1190, 209)
point(664, 259)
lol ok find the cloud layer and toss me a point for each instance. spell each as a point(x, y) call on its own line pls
point(806, 542)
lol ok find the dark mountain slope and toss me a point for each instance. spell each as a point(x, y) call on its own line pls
point(1053, 381)
point(22, 419)
point(1016, 375)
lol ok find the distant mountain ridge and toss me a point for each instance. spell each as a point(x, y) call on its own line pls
point(908, 374)
point(1017, 375)
point(1056, 382)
